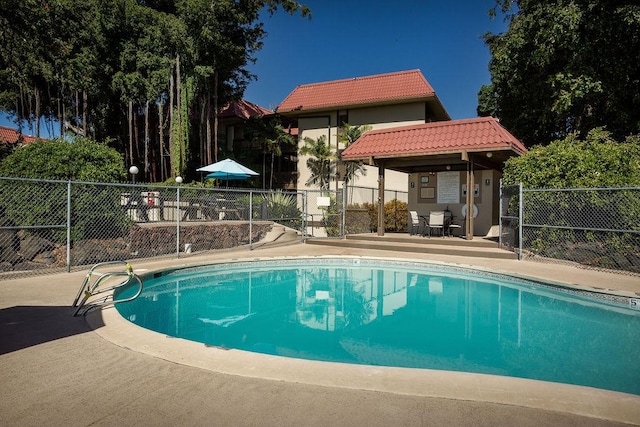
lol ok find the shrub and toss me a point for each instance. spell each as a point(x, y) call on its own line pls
point(395, 216)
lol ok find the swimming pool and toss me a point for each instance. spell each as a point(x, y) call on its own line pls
point(398, 313)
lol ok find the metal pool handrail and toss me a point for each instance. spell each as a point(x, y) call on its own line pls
point(90, 289)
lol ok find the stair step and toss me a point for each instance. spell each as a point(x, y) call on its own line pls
point(418, 247)
point(434, 240)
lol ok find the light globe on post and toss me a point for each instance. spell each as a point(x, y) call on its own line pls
point(133, 170)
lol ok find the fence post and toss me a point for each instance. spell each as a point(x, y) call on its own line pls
point(344, 210)
point(178, 222)
point(68, 226)
point(304, 215)
point(250, 220)
point(520, 218)
point(501, 194)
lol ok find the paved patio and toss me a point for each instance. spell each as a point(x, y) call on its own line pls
point(60, 370)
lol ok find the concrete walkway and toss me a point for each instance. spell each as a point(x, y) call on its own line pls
point(60, 370)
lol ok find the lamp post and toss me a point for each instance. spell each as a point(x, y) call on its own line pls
point(178, 181)
point(133, 170)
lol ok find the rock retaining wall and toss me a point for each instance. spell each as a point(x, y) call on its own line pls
point(23, 251)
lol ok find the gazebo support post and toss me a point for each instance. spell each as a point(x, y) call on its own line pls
point(380, 198)
point(470, 198)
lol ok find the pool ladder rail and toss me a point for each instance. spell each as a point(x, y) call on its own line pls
point(100, 286)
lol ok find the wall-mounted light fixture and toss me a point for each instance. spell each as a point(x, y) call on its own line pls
point(489, 155)
point(487, 182)
point(448, 167)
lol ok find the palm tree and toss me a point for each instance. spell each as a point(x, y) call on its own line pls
point(273, 136)
point(320, 163)
point(347, 135)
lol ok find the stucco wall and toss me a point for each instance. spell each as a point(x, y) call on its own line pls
point(486, 201)
point(380, 117)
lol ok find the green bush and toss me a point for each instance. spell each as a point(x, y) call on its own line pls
point(41, 203)
point(80, 159)
point(596, 162)
point(395, 216)
point(283, 208)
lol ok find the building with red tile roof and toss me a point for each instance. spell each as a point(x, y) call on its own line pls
point(244, 110)
point(12, 136)
point(236, 131)
point(413, 144)
point(358, 92)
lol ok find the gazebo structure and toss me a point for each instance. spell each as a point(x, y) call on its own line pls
point(443, 160)
point(411, 133)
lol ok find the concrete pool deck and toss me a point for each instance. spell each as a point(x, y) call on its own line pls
point(102, 370)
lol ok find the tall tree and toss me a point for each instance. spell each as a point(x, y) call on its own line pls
point(272, 137)
point(103, 66)
point(565, 66)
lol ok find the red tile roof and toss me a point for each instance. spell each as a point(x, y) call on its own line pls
point(481, 134)
point(11, 136)
point(243, 109)
point(403, 85)
point(292, 131)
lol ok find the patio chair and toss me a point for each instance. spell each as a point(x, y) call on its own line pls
point(450, 225)
point(436, 220)
point(414, 226)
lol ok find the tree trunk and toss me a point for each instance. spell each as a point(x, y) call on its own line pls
point(146, 140)
point(163, 174)
point(36, 93)
point(178, 165)
point(208, 130)
point(84, 112)
point(136, 137)
point(273, 155)
point(171, 150)
point(202, 128)
point(215, 116)
point(130, 125)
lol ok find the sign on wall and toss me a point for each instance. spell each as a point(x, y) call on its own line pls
point(448, 187)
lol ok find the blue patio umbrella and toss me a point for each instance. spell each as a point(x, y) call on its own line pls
point(225, 176)
point(228, 166)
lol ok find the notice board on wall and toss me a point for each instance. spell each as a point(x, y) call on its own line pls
point(448, 187)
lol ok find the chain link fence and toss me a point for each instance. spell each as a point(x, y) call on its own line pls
point(48, 226)
point(594, 227)
point(324, 213)
point(361, 210)
point(509, 235)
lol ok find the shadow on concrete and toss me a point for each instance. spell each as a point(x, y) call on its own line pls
point(26, 326)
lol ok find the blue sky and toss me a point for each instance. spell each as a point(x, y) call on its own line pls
point(353, 38)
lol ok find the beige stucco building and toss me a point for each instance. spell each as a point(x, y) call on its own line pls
point(413, 145)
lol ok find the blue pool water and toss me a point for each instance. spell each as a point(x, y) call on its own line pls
point(400, 314)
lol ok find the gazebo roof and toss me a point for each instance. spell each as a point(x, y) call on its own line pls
point(482, 134)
